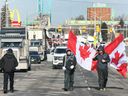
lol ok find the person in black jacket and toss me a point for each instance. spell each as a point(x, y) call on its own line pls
point(102, 67)
point(8, 65)
point(69, 63)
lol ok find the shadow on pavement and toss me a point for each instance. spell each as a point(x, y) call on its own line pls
point(115, 88)
point(8, 91)
point(97, 88)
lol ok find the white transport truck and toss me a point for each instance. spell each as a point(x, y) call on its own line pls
point(16, 39)
point(36, 41)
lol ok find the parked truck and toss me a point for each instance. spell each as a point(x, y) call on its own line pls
point(36, 41)
point(16, 39)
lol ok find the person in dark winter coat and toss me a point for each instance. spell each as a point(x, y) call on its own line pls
point(102, 67)
point(8, 64)
point(69, 64)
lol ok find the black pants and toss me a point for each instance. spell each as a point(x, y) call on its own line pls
point(102, 77)
point(68, 79)
point(8, 76)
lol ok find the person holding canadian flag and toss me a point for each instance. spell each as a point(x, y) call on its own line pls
point(69, 64)
point(102, 67)
point(85, 56)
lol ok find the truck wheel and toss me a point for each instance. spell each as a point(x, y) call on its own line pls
point(53, 67)
point(29, 68)
point(1, 70)
point(24, 70)
point(39, 62)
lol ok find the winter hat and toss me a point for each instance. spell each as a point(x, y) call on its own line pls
point(9, 50)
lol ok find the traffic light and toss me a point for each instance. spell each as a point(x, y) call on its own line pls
point(83, 29)
point(59, 28)
point(98, 28)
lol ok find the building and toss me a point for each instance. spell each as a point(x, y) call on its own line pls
point(99, 12)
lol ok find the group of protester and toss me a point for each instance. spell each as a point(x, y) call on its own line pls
point(8, 63)
point(69, 66)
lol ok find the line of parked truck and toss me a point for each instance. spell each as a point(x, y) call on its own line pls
point(27, 50)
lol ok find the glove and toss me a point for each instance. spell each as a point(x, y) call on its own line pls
point(64, 68)
point(103, 60)
point(72, 66)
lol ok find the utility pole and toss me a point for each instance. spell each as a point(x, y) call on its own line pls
point(45, 49)
point(99, 34)
point(94, 18)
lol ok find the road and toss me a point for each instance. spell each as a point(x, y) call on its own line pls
point(45, 81)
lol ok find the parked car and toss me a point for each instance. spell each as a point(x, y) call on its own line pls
point(58, 55)
point(34, 57)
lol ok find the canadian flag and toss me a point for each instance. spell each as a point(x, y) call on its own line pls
point(116, 51)
point(83, 53)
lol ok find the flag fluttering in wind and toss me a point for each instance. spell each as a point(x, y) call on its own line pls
point(85, 53)
point(116, 51)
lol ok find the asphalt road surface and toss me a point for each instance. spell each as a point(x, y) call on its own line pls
point(42, 80)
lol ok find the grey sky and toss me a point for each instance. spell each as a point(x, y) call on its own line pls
point(65, 9)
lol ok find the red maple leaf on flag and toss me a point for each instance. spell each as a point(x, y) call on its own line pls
point(117, 57)
point(84, 53)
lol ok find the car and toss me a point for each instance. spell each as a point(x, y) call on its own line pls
point(58, 55)
point(34, 57)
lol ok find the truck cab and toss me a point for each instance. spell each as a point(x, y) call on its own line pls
point(15, 38)
point(36, 45)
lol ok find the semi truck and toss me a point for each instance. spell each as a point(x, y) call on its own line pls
point(36, 41)
point(16, 39)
